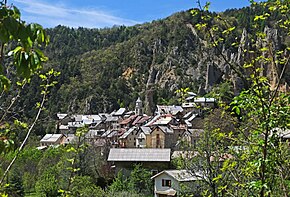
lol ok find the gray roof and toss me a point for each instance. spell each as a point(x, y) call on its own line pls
point(78, 118)
point(134, 154)
point(112, 119)
point(166, 129)
point(120, 112)
point(180, 175)
point(192, 117)
point(61, 116)
point(154, 119)
point(128, 132)
point(92, 133)
point(188, 105)
point(112, 134)
point(51, 137)
point(169, 109)
point(204, 100)
point(164, 120)
point(106, 133)
point(192, 94)
point(146, 130)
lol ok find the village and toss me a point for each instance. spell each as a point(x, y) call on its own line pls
point(127, 138)
point(130, 137)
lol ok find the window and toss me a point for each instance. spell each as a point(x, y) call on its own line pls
point(166, 183)
point(157, 141)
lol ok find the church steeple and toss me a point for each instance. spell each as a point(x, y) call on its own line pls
point(139, 107)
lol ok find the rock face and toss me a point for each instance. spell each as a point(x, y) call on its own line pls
point(213, 76)
point(205, 66)
point(272, 71)
point(149, 92)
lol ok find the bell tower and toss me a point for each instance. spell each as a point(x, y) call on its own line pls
point(139, 107)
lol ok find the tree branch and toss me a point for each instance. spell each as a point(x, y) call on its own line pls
point(25, 140)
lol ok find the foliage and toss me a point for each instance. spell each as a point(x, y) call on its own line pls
point(139, 181)
point(83, 186)
point(252, 159)
point(47, 183)
point(27, 57)
point(182, 94)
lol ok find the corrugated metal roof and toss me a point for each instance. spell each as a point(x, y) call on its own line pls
point(188, 105)
point(78, 118)
point(180, 175)
point(134, 154)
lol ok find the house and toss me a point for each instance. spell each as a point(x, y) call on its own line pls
point(168, 109)
point(168, 182)
point(178, 131)
point(161, 137)
point(195, 135)
point(52, 140)
point(63, 129)
point(191, 107)
point(205, 102)
point(164, 119)
point(112, 122)
point(94, 134)
point(150, 158)
point(194, 121)
point(142, 136)
point(113, 138)
point(128, 138)
point(70, 139)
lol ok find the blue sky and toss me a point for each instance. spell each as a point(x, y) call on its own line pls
point(106, 13)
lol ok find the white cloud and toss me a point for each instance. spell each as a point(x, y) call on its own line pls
point(50, 15)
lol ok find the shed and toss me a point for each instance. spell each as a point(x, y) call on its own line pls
point(153, 159)
point(52, 139)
